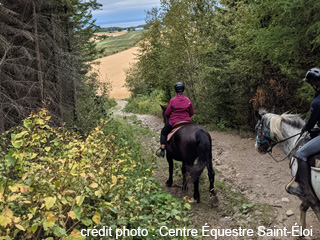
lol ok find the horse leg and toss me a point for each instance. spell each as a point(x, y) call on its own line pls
point(170, 162)
point(304, 206)
point(185, 183)
point(211, 175)
point(196, 194)
point(316, 208)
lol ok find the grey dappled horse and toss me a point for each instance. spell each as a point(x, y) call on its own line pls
point(272, 129)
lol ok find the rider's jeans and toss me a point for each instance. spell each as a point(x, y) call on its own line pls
point(310, 148)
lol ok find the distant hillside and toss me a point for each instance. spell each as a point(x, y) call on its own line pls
point(119, 29)
point(118, 43)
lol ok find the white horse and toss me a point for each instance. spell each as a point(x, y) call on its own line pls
point(284, 130)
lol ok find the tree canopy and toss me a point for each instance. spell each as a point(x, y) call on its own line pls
point(233, 56)
point(44, 54)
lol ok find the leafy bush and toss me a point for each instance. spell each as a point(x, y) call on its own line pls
point(146, 104)
point(53, 184)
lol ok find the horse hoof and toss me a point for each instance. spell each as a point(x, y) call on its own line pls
point(196, 198)
point(213, 192)
point(169, 183)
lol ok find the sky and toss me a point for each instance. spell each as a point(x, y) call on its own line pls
point(123, 13)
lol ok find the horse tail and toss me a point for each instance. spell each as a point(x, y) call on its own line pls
point(204, 153)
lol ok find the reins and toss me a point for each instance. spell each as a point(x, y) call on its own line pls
point(275, 143)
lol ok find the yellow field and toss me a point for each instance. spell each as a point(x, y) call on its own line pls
point(112, 69)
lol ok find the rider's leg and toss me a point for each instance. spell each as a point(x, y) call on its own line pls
point(163, 139)
point(303, 175)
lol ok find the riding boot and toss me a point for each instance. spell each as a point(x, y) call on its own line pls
point(161, 153)
point(304, 180)
point(162, 148)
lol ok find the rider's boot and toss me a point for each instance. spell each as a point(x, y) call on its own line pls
point(304, 179)
point(160, 153)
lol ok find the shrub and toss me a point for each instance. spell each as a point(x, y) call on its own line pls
point(146, 104)
point(53, 184)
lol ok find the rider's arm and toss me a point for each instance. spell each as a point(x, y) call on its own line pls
point(314, 116)
point(169, 109)
point(191, 109)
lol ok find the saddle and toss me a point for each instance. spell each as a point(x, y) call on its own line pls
point(175, 128)
point(315, 132)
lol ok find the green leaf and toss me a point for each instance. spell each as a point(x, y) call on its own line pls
point(17, 143)
point(21, 134)
point(49, 201)
point(27, 123)
point(77, 210)
point(187, 206)
point(11, 160)
point(79, 200)
point(34, 227)
point(86, 221)
point(58, 231)
point(96, 218)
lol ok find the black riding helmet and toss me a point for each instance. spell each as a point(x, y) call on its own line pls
point(179, 87)
point(313, 77)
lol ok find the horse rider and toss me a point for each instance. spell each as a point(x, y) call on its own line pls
point(179, 109)
point(313, 146)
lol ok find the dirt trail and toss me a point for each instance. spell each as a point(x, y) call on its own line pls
point(244, 170)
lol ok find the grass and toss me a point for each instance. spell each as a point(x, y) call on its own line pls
point(119, 43)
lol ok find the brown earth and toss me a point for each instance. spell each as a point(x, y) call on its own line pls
point(238, 165)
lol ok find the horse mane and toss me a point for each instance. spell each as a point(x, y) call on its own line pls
point(275, 123)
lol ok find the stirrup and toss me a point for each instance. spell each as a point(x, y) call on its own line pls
point(160, 153)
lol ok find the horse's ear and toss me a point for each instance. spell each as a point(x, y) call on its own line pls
point(163, 107)
point(259, 114)
point(262, 112)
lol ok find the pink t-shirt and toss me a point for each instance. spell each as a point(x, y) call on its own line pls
point(179, 109)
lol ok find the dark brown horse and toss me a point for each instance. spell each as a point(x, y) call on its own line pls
point(190, 143)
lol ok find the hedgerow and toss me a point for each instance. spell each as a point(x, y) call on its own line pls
point(54, 183)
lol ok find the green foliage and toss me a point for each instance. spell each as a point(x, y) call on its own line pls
point(115, 44)
point(90, 110)
point(53, 184)
point(145, 104)
point(234, 57)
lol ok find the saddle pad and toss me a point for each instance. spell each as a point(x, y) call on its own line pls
point(172, 132)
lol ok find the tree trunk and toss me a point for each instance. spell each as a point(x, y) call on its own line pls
point(37, 51)
point(73, 80)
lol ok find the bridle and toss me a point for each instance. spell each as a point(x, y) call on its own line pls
point(271, 143)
